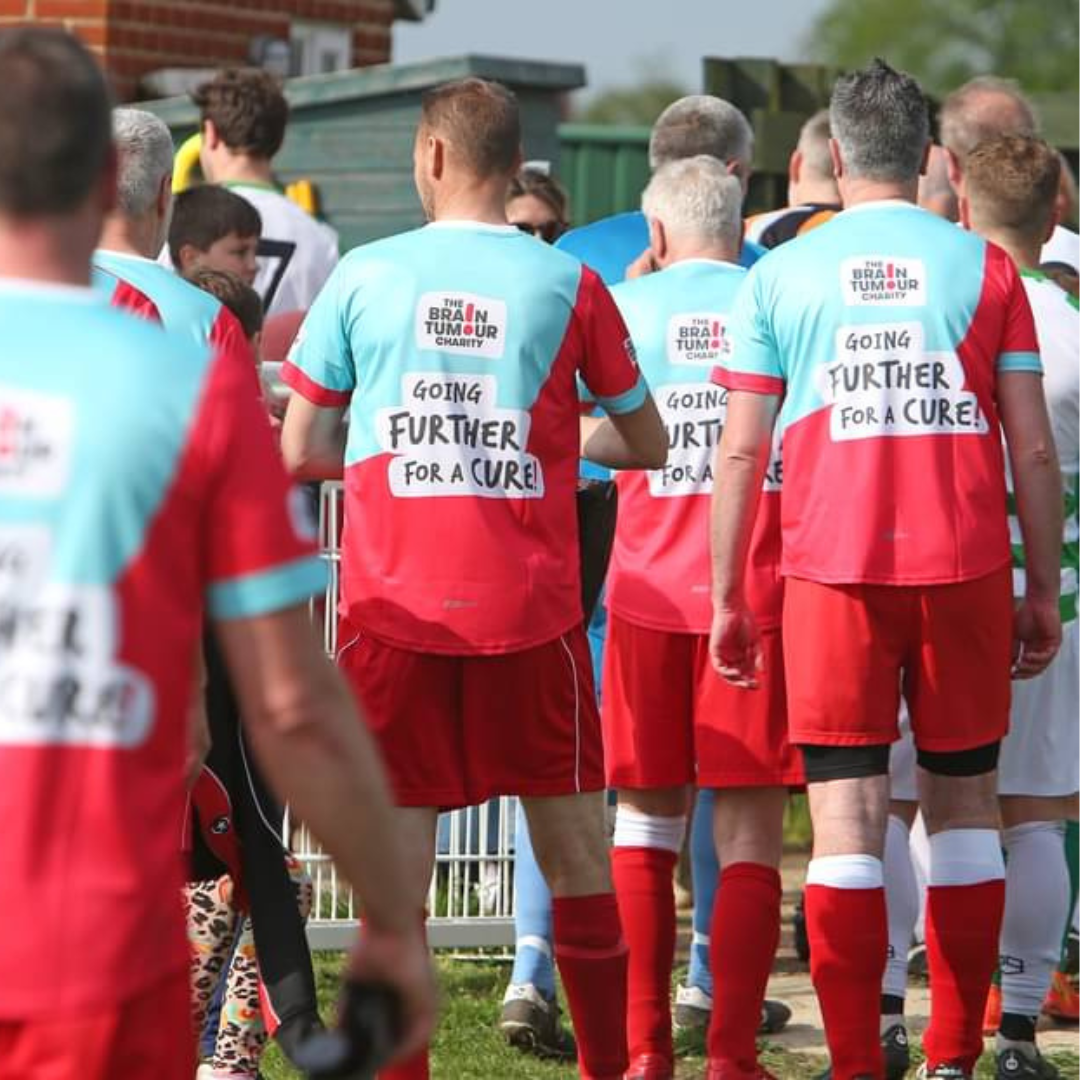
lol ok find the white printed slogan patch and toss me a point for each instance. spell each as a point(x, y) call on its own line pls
point(876, 280)
point(60, 681)
point(885, 383)
point(462, 324)
point(697, 338)
point(448, 437)
point(36, 431)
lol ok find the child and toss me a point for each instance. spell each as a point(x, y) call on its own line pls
point(248, 897)
point(214, 228)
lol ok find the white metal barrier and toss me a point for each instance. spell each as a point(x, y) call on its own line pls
point(471, 899)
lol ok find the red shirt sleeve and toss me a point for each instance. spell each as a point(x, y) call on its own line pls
point(129, 298)
point(608, 365)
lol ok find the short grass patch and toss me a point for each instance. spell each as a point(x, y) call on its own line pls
point(468, 1045)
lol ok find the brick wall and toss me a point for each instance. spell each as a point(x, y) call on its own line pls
point(137, 36)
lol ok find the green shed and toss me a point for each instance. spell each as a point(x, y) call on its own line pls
point(351, 133)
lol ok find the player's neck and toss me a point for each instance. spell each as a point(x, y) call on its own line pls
point(856, 190)
point(813, 193)
point(683, 252)
point(129, 237)
point(1025, 253)
point(483, 202)
point(241, 169)
point(46, 253)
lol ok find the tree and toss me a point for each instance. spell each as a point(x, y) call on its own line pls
point(639, 105)
point(946, 42)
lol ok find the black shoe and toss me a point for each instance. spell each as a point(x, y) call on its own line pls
point(894, 1044)
point(531, 1024)
point(774, 1017)
point(942, 1072)
point(1014, 1064)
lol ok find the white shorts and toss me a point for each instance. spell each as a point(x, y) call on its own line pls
point(902, 785)
point(1041, 753)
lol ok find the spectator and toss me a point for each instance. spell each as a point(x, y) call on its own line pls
point(812, 194)
point(537, 204)
point(243, 115)
point(216, 228)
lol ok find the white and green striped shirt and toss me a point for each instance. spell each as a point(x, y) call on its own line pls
point(1057, 323)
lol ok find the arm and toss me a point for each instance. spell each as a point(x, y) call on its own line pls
point(633, 440)
point(1037, 487)
point(741, 460)
point(316, 752)
point(198, 724)
point(313, 440)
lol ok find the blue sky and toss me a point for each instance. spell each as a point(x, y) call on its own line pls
point(616, 40)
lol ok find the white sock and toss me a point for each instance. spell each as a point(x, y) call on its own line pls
point(845, 872)
point(634, 829)
point(1036, 905)
point(902, 902)
point(920, 860)
point(966, 857)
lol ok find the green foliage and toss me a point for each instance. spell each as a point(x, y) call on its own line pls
point(945, 42)
point(639, 105)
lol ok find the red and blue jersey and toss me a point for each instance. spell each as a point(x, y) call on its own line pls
point(885, 331)
point(139, 486)
point(456, 349)
point(660, 573)
point(181, 307)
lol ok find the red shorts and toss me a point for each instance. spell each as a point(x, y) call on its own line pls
point(847, 647)
point(669, 719)
point(458, 730)
point(147, 1036)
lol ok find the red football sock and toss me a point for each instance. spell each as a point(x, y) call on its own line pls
point(849, 939)
point(743, 936)
point(591, 955)
point(643, 886)
point(962, 927)
point(414, 1068)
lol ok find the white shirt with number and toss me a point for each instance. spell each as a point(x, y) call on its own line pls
point(296, 252)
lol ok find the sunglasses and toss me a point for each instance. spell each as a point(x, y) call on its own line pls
point(548, 231)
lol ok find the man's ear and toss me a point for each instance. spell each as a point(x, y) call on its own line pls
point(658, 241)
point(164, 196)
point(795, 164)
point(1053, 223)
point(211, 139)
point(963, 206)
point(837, 160)
point(436, 155)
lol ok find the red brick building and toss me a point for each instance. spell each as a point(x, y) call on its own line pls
point(137, 37)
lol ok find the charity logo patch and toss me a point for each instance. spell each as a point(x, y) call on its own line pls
point(463, 324)
point(698, 338)
point(883, 280)
point(36, 433)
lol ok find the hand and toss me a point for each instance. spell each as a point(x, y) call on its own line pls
point(401, 961)
point(735, 646)
point(642, 265)
point(1036, 636)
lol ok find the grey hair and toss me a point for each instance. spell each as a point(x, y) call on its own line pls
point(879, 118)
point(701, 124)
point(696, 197)
point(814, 145)
point(145, 151)
point(984, 108)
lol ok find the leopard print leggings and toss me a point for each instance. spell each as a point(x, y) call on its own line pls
point(213, 927)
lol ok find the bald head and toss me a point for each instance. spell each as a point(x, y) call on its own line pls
point(810, 170)
point(982, 109)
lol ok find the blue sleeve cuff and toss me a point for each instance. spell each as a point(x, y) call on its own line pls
point(267, 591)
point(1019, 361)
point(627, 402)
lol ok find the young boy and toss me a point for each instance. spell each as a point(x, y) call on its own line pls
point(214, 228)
